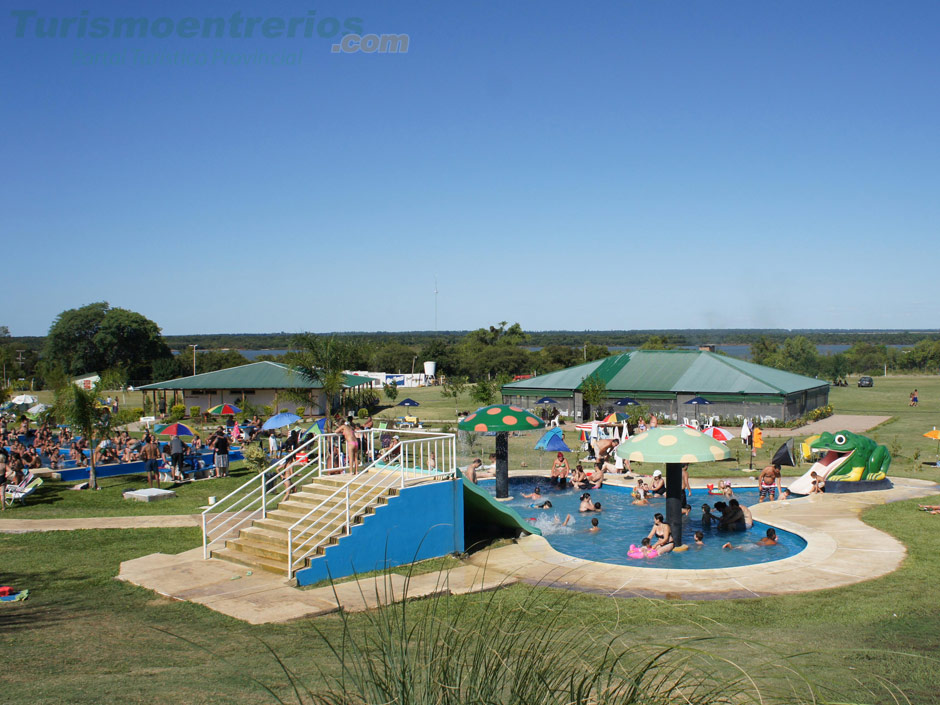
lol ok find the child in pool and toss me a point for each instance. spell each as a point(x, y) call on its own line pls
point(645, 548)
point(699, 539)
point(536, 494)
point(707, 516)
point(770, 539)
point(595, 526)
point(547, 504)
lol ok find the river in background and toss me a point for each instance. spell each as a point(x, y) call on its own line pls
point(740, 351)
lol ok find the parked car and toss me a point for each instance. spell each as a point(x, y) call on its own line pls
point(866, 382)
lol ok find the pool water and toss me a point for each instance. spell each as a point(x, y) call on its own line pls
point(622, 524)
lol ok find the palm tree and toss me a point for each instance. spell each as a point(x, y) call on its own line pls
point(320, 360)
point(81, 409)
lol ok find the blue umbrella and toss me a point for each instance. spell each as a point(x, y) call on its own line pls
point(627, 401)
point(408, 402)
point(285, 418)
point(697, 401)
point(546, 400)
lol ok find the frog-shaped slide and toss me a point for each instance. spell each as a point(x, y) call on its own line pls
point(848, 458)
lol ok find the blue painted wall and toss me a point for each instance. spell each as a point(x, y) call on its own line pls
point(421, 522)
point(115, 469)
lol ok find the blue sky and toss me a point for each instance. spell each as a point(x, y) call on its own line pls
point(631, 164)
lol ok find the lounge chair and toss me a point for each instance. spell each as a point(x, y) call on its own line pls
point(21, 492)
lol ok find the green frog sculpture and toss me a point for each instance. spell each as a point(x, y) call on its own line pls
point(848, 458)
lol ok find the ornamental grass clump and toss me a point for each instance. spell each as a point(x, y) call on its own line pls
point(524, 646)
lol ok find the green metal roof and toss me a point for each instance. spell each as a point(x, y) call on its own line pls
point(676, 371)
point(255, 375)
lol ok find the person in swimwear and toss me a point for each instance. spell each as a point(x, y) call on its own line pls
point(769, 483)
point(541, 505)
point(578, 478)
point(536, 494)
point(658, 484)
point(560, 468)
point(586, 504)
point(663, 534)
point(707, 516)
point(699, 539)
point(770, 539)
point(595, 526)
point(352, 444)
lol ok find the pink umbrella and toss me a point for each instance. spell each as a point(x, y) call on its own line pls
point(719, 434)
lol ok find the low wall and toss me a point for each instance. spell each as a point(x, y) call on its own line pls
point(137, 467)
point(421, 522)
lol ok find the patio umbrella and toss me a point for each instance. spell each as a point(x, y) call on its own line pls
point(697, 402)
point(722, 435)
point(546, 400)
point(627, 401)
point(176, 429)
point(285, 418)
point(616, 417)
point(501, 418)
point(38, 409)
point(784, 454)
point(24, 399)
point(674, 446)
point(408, 402)
point(224, 410)
point(935, 434)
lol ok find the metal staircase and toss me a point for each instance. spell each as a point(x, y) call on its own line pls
point(309, 500)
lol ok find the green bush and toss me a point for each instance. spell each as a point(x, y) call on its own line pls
point(267, 410)
point(195, 412)
point(362, 413)
point(255, 458)
point(300, 411)
point(177, 412)
point(137, 412)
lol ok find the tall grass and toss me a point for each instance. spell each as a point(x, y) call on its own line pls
point(540, 649)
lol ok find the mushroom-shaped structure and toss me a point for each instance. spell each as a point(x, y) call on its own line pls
point(501, 418)
point(675, 446)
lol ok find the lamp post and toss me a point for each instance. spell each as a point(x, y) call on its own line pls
point(194, 357)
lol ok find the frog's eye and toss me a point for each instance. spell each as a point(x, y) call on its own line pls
point(840, 440)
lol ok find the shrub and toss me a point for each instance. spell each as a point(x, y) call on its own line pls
point(137, 412)
point(267, 410)
point(255, 458)
point(362, 413)
point(177, 412)
point(195, 412)
point(300, 411)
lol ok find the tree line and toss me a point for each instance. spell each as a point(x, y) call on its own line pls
point(98, 338)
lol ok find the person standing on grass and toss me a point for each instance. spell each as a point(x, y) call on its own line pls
point(150, 454)
point(220, 446)
point(177, 452)
point(914, 398)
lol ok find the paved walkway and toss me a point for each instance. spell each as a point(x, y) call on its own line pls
point(258, 597)
point(836, 422)
point(25, 526)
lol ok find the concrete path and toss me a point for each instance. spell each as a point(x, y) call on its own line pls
point(24, 526)
point(836, 422)
point(258, 597)
point(841, 550)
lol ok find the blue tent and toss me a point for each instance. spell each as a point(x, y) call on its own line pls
point(553, 441)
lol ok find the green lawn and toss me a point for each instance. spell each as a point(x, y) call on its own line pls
point(83, 637)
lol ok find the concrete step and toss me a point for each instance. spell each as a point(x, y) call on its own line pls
point(249, 561)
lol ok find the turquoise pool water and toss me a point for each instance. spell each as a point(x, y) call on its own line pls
point(622, 523)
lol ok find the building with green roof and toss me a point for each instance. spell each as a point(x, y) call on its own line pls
point(257, 382)
point(664, 380)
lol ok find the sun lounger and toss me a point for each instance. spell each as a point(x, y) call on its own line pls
point(19, 493)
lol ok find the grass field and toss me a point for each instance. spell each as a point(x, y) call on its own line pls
point(83, 637)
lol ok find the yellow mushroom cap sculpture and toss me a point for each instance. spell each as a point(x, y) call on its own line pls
point(672, 444)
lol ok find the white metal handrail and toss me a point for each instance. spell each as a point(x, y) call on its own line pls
point(409, 456)
point(244, 503)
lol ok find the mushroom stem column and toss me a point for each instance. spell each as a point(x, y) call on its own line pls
point(674, 501)
point(502, 465)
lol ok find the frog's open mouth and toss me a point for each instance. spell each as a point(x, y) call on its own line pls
point(833, 459)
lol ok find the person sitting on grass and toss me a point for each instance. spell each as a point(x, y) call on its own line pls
point(770, 539)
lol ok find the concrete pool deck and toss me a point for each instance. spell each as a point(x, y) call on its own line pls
point(841, 550)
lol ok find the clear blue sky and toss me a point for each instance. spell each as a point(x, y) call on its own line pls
point(629, 164)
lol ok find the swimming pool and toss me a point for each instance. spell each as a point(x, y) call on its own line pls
point(622, 523)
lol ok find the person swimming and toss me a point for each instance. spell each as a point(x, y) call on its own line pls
point(769, 539)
